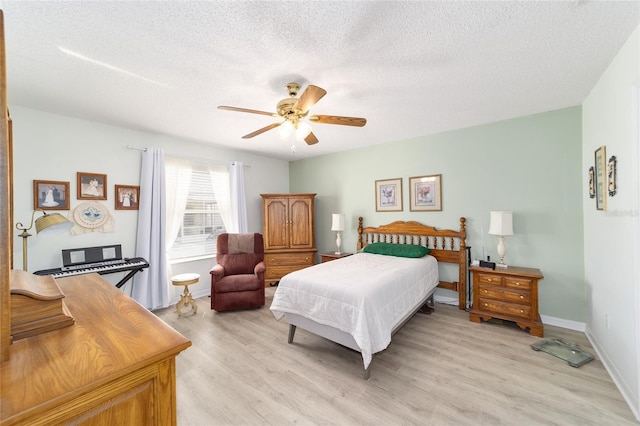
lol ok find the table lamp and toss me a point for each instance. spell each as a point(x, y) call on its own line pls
point(501, 224)
point(337, 224)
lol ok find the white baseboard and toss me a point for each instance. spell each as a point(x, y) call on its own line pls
point(564, 323)
point(627, 393)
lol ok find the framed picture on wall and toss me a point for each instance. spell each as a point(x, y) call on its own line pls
point(601, 181)
point(612, 171)
point(92, 186)
point(127, 197)
point(389, 195)
point(50, 195)
point(426, 193)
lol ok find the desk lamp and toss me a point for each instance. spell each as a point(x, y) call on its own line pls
point(46, 226)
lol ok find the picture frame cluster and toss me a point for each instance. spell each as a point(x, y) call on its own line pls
point(56, 195)
point(425, 194)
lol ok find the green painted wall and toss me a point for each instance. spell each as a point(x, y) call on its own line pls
point(531, 165)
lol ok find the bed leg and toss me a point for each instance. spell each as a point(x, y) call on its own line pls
point(292, 332)
point(428, 307)
point(367, 372)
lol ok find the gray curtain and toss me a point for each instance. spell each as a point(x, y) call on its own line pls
point(238, 198)
point(151, 287)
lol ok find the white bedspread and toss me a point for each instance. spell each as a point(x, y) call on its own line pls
point(365, 295)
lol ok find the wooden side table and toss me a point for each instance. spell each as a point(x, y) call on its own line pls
point(327, 257)
point(507, 293)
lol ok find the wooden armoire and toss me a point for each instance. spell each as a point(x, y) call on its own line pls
point(289, 234)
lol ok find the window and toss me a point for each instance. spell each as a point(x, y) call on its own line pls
point(201, 221)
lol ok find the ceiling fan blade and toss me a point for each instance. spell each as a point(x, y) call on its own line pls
point(311, 139)
point(335, 119)
point(309, 97)
point(252, 111)
point(259, 131)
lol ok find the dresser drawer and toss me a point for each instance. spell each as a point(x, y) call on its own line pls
point(505, 295)
point(503, 308)
point(517, 282)
point(277, 272)
point(289, 259)
point(489, 280)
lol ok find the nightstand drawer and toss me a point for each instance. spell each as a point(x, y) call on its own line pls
point(508, 309)
point(488, 279)
point(501, 294)
point(516, 282)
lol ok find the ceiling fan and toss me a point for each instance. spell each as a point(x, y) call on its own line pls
point(293, 110)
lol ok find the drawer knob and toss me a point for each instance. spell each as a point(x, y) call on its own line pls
point(489, 279)
point(521, 297)
point(517, 283)
point(486, 304)
point(522, 311)
point(485, 291)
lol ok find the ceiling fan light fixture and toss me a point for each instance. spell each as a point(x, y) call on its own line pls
point(302, 130)
point(285, 130)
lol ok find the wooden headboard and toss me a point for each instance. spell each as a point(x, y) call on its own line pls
point(446, 245)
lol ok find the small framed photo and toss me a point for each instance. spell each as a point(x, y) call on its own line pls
point(127, 197)
point(426, 193)
point(592, 182)
point(92, 186)
point(389, 195)
point(612, 171)
point(50, 195)
point(601, 189)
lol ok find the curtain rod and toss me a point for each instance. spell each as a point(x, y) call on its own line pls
point(187, 157)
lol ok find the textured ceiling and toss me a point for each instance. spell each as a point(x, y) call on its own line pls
point(410, 68)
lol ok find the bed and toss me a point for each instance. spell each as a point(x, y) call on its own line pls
point(360, 301)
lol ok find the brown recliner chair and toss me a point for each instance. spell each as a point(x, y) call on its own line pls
point(237, 281)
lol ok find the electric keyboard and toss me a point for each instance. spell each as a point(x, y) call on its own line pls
point(132, 265)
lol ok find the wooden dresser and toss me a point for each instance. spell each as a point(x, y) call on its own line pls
point(289, 234)
point(114, 366)
point(507, 293)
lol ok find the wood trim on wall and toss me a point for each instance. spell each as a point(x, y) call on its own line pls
point(6, 200)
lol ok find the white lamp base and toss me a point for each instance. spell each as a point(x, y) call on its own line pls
point(502, 251)
point(338, 243)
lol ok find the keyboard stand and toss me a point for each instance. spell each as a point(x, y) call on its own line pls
point(130, 275)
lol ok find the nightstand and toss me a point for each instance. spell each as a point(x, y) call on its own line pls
point(507, 293)
point(327, 257)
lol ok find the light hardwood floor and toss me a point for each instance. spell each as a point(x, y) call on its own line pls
point(440, 369)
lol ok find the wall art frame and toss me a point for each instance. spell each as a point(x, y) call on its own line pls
point(592, 182)
point(389, 195)
point(127, 197)
point(50, 195)
point(425, 193)
point(91, 186)
point(601, 193)
point(612, 176)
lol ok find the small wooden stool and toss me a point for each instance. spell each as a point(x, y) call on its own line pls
point(185, 298)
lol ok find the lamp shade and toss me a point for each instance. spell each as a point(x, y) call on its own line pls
point(337, 222)
point(302, 130)
point(501, 223)
point(52, 224)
